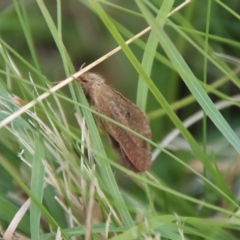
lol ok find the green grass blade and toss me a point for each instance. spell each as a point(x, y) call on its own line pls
point(192, 83)
point(104, 166)
point(37, 182)
point(149, 54)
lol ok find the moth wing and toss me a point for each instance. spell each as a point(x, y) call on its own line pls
point(134, 151)
point(121, 156)
point(132, 148)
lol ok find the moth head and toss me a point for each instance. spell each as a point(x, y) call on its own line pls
point(89, 79)
point(95, 78)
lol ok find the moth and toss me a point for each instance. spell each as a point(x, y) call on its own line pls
point(133, 152)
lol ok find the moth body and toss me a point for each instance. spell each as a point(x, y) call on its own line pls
point(133, 152)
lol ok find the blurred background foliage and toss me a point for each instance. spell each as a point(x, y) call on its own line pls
point(87, 39)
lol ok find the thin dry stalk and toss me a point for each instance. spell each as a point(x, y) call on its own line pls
point(77, 74)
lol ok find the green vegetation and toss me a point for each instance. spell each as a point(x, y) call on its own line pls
point(58, 172)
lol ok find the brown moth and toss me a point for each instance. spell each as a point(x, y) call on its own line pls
point(133, 152)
